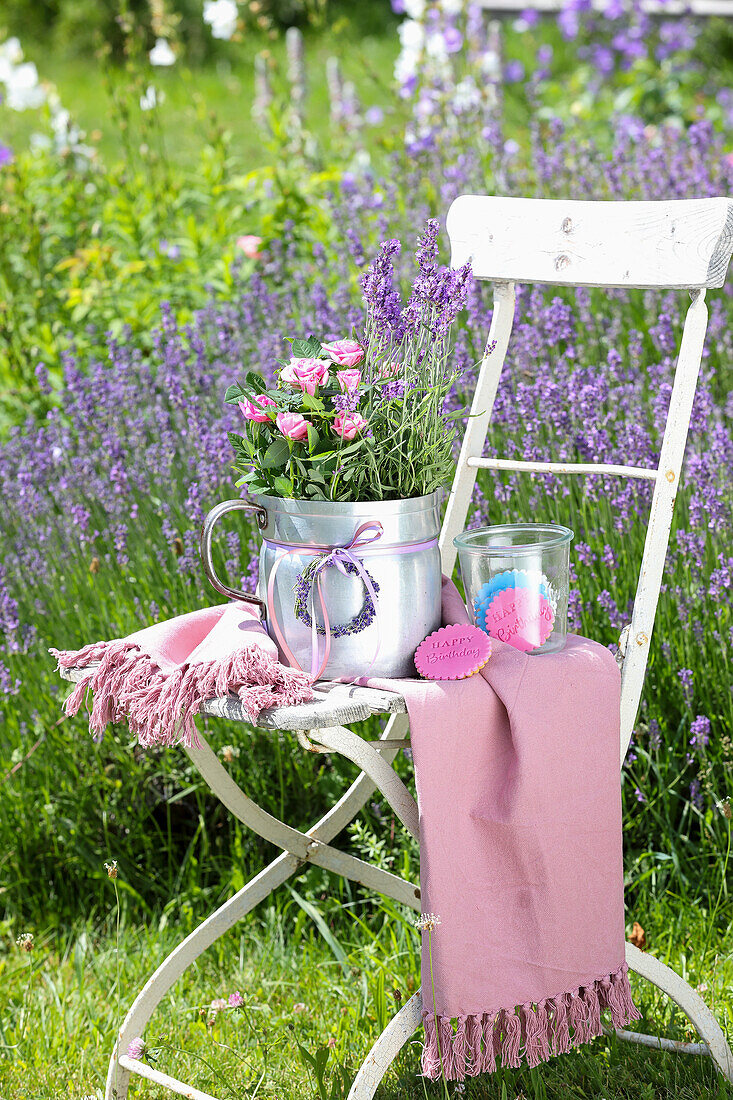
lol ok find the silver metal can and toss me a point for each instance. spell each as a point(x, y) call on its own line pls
point(393, 541)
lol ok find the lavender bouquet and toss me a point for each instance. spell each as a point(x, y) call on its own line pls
point(361, 418)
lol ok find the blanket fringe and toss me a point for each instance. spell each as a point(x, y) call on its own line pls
point(160, 707)
point(530, 1034)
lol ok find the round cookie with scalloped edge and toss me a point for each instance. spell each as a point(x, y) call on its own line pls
point(453, 652)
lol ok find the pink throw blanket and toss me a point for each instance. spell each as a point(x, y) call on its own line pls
point(159, 677)
point(517, 773)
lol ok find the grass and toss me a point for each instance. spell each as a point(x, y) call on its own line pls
point(59, 1008)
point(222, 88)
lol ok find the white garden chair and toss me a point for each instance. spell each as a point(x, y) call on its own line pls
point(663, 245)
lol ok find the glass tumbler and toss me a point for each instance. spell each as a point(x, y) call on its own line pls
point(515, 577)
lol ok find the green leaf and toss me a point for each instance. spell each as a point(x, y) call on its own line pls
point(314, 404)
point(351, 449)
point(313, 439)
point(327, 463)
point(315, 492)
point(310, 348)
point(234, 394)
point(255, 381)
point(236, 441)
point(283, 486)
point(276, 454)
point(301, 349)
point(317, 917)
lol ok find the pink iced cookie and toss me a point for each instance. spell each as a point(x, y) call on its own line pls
point(520, 616)
point(453, 653)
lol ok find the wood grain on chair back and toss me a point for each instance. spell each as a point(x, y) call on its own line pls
point(682, 243)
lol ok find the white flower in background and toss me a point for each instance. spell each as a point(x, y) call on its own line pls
point(412, 35)
point(161, 53)
point(424, 108)
point(466, 95)
point(221, 15)
point(415, 8)
point(151, 98)
point(60, 123)
point(412, 38)
point(11, 54)
point(22, 88)
point(491, 65)
point(452, 7)
point(39, 143)
point(405, 68)
point(435, 46)
point(12, 51)
point(23, 91)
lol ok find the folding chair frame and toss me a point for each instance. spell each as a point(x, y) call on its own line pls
point(675, 245)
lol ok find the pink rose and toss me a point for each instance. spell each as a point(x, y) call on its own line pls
point(305, 374)
point(348, 424)
point(254, 411)
point(250, 246)
point(389, 370)
point(292, 425)
point(347, 353)
point(349, 380)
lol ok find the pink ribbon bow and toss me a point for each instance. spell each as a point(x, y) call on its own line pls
point(337, 556)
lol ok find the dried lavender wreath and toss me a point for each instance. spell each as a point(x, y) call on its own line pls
point(361, 419)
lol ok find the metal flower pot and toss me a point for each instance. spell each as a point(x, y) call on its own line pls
point(346, 589)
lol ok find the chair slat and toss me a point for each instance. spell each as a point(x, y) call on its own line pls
point(652, 7)
point(681, 244)
point(563, 467)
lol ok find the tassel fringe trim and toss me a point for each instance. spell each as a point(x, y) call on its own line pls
point(530, 1034)
point(160, 706)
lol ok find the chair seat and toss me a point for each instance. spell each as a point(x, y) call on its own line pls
point(334, 705)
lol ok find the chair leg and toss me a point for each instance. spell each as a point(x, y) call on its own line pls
point(171, 969)
point(255, 891)
point(691, 1003)
point(400, 1028)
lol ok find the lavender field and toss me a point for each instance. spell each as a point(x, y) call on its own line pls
point(114, 447)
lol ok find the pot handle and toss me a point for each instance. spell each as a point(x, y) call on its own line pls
point(205, 548)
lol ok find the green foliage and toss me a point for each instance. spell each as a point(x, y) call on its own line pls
point(76, 27)
point(87, 250)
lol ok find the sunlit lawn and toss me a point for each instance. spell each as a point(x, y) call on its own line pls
point(223, 88)
point(59, 1008)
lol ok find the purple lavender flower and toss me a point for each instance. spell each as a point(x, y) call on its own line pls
point(686, 677)
point(696, 794)
point(655, 736)
point(513, 72)
point(700, 733)
point(381, 297)
point(374, 116)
